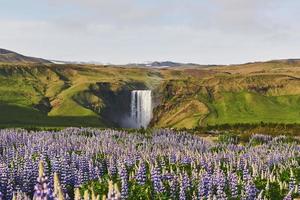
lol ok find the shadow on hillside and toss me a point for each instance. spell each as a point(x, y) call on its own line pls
point(18, 116)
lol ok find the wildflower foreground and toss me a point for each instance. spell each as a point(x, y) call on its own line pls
point(97, 164)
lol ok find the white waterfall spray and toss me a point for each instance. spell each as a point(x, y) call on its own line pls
point(141, 108)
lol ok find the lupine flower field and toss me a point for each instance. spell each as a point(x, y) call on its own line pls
point(85, 163)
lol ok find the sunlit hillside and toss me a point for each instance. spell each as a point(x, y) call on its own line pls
point(87, 95)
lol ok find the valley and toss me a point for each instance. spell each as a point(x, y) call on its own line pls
point(51, 95)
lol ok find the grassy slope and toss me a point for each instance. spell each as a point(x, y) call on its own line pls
point(249, 107)
point(23, 86)
point(251, 93)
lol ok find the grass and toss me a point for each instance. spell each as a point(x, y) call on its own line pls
point(185, 114)
point(21, 116)
point(188, 98)
point(24, 86)
point(249, 107)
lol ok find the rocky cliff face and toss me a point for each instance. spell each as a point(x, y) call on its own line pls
point(115, 100)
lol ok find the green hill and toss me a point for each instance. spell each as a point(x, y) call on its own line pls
point(88, 95)
point(7, 56)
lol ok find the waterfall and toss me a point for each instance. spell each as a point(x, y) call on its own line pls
point(141, 108)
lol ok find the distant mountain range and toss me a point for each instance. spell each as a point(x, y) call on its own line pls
point(7, 56)
point(166, 64)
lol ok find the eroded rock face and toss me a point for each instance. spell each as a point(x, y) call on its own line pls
point(110, 100)
point(44, 105)
point(116, 102)
point(177, 103)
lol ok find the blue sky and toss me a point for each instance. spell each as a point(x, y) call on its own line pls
point(123, 31)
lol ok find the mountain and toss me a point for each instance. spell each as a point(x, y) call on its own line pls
point(165, 64)
point(58, 95)
point(7, 56)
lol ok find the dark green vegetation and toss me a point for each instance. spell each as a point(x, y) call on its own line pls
point(49, 95)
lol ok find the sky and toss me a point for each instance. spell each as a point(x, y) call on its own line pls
point(127, 31)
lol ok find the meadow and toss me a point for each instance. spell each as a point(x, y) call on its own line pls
point(49, 95)
point(201, 143)
point(88, 163)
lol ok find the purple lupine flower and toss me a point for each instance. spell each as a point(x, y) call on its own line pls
point(84, 153)
point(124, 181)
point(129, 161)
point(72, 172)
point(156, 179)
point(64, 172)
point(233, 184)
point(246, 174)
point(3, 179)
point(124, 188)
point(84, 166)
point(123, 172)
point(221, 195)
point(141, 175)
point(10, 186)
point(251, 190)
point(112, 168)
point(92, 171)
point(204, 186)
point(186, 182)
point(27, 186)
point(78, 178)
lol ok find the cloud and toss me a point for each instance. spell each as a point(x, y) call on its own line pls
point(123, 12)
point(226, 16)
point(204, 31)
